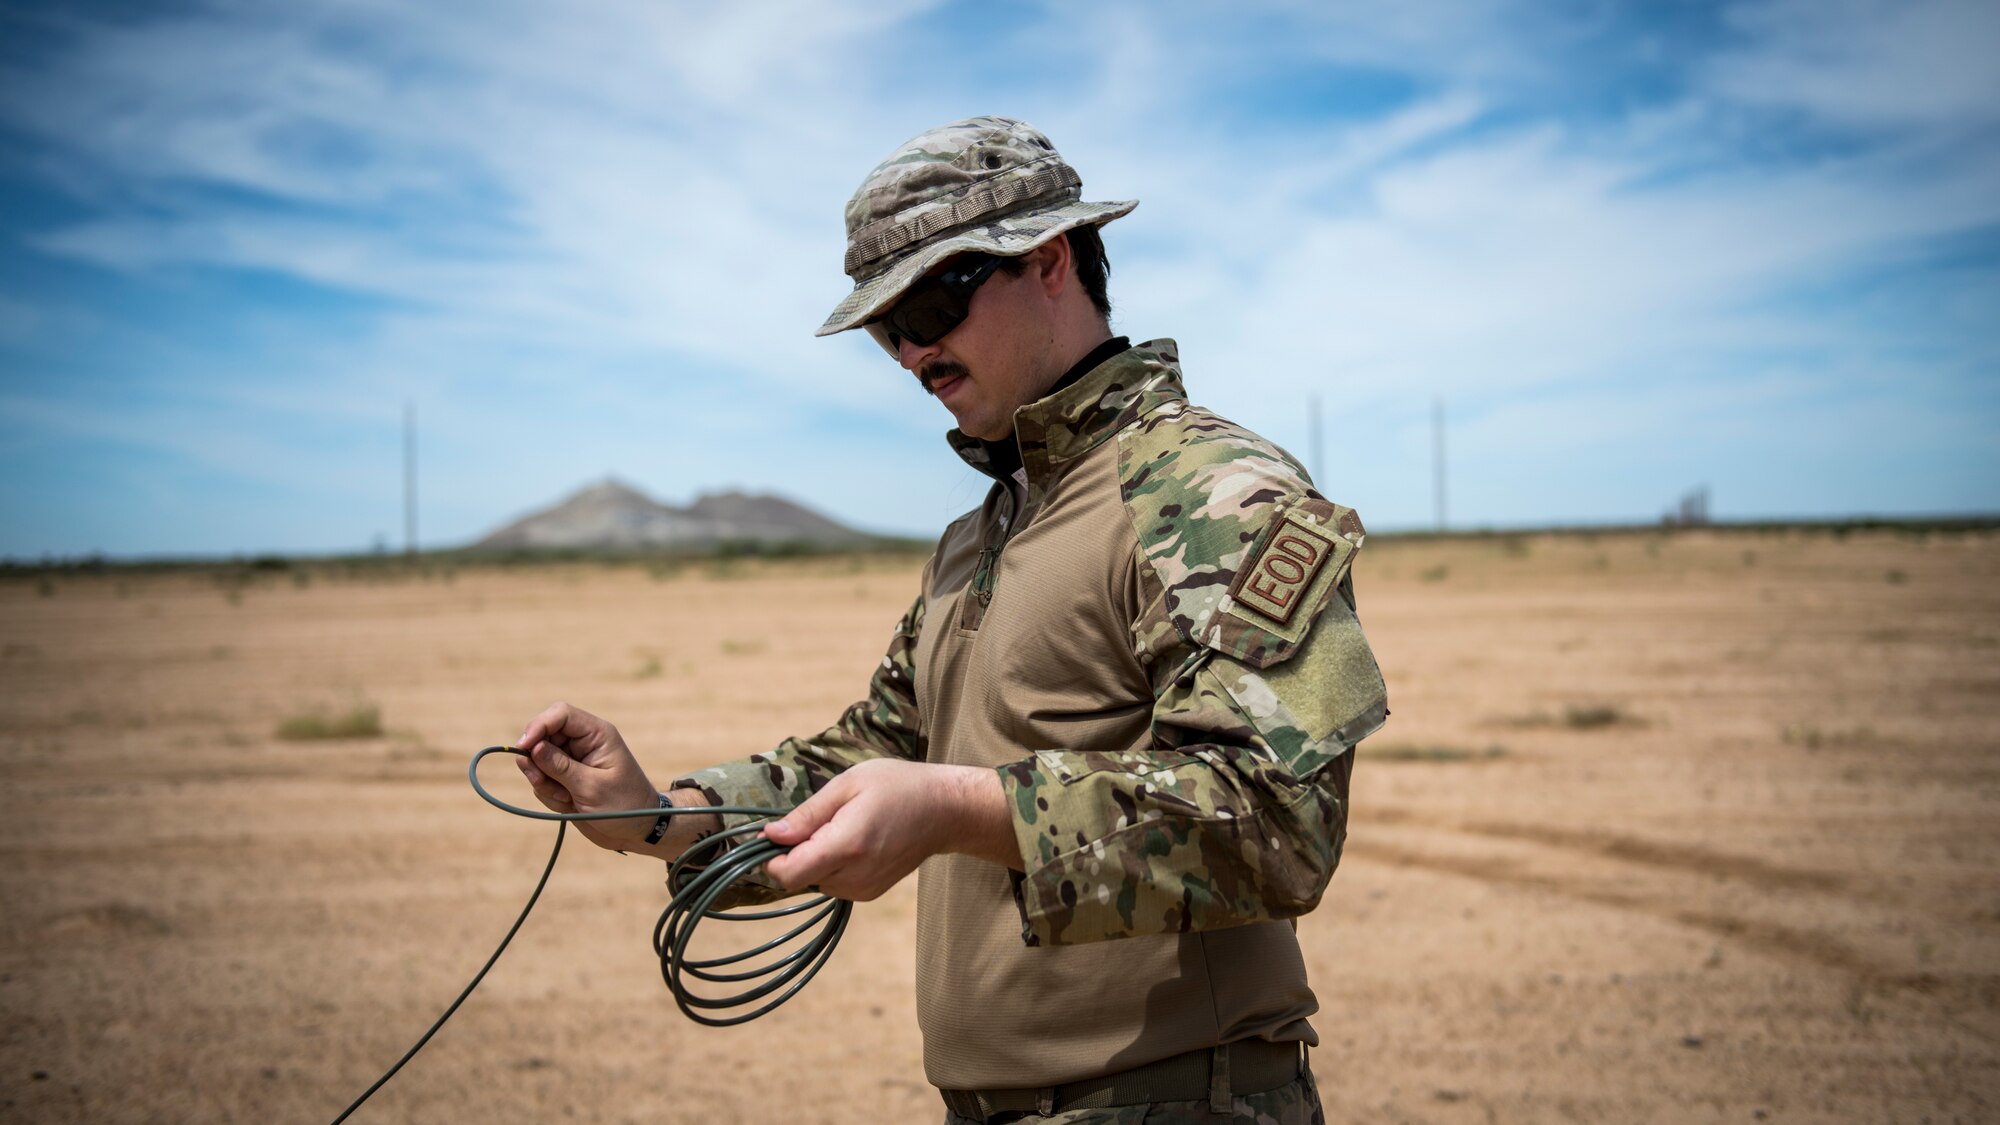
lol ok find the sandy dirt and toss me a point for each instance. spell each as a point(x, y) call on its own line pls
point(1699, 827)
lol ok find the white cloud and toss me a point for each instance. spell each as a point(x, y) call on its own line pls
point(1875, 63)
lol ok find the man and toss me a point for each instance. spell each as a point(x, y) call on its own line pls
point(1113, 732)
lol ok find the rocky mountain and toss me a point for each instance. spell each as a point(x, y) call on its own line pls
point(612, 515)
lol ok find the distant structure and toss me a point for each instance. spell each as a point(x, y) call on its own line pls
point(1318, 449)
point(1692, 511)
point(1437, 457)
point(410, 479)
point(612, 515)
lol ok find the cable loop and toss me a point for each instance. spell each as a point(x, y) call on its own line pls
point(697, 878)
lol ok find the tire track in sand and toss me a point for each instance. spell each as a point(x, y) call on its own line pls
point(1631, 849)
point(1762, 934)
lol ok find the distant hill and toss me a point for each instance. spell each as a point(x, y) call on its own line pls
point(613, 515)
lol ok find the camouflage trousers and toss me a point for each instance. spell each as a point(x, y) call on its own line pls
point(1296, 1103)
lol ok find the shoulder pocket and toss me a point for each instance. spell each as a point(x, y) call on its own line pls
point(1311, 709)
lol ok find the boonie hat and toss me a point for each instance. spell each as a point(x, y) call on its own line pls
point(992, 184)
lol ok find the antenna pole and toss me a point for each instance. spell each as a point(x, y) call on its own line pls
point(410, 478)
point(1437, 456)
point(1318, 450)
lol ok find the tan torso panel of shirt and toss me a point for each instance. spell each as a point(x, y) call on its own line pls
point(1048, 662)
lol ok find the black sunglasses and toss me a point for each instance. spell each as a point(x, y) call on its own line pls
point(931, 308)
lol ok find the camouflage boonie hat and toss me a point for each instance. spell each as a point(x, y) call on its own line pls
point(986, 183)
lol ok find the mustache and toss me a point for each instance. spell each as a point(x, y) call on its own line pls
point(931, 374)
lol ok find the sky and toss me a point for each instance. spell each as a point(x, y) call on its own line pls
point(1634, 249)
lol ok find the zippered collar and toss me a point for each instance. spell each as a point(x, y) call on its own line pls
point(1056, 430)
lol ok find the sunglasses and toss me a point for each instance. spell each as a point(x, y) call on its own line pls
point(931, 308)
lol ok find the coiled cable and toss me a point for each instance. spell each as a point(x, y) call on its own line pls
point(697, 878)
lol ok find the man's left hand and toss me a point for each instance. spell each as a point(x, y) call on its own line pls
point(876, 821)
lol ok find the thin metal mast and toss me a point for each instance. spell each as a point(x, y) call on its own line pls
point(1318, 449)
point(410, 478)
point(1437, 457)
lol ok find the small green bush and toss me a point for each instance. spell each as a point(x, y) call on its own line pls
point(363, 720)
point(1593, 718)
point(1400, 752)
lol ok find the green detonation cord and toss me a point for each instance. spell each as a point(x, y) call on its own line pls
point(700, 875)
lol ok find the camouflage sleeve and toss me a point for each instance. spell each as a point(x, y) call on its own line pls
point(1237, 814)
point(1237, 810)
point(882, 725)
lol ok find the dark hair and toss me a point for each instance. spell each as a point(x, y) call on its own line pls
point(1093, 269)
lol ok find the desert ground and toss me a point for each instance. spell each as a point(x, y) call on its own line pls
point(1688, 827)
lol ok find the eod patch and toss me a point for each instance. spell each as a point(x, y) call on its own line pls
point(1286, 580)
point(1276, 580)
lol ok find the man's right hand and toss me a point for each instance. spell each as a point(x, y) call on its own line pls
point(579, 763)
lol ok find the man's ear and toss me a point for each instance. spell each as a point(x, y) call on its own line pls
point(1050, 265)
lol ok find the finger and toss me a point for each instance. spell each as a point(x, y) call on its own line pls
point(821, 860)
point(796, 870)
point(548, 792)
point(798, 825)
point(555, 798)
point(579, 723)
point(528, 770)
point(559, 767)
point(547, 726)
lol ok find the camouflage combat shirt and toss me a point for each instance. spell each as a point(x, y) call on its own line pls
point(1159, 655)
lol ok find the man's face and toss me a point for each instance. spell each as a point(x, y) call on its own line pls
point(996, 360)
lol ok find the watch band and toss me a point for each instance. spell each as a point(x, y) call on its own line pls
point(660, 822)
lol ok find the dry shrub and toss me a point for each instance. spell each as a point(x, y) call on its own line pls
point(363, 720)
point(1404, 752)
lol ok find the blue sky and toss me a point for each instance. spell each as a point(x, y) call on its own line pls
point(1635, 248)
